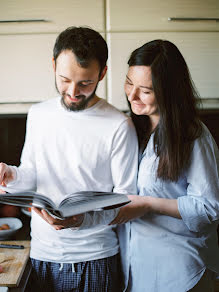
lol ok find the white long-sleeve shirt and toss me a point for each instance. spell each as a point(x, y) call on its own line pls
point(65, 152)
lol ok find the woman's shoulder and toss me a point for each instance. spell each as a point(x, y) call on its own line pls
point(205, 135)
point(205, 142)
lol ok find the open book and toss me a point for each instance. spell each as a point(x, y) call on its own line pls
point(73, 204)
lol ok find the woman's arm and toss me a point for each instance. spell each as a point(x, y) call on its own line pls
point(199, 207)
point(141, 205)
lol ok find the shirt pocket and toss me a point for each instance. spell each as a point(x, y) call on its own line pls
point(148, 182)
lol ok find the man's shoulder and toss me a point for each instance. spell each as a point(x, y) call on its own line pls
point(46, 105)
point(108, 110)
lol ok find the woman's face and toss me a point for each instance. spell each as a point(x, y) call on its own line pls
point(139, 90)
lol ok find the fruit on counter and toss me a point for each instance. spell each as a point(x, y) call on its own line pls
point(4, 227)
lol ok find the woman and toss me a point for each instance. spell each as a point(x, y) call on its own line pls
point(173, 242)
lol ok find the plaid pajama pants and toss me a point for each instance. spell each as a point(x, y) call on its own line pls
point(103, 275)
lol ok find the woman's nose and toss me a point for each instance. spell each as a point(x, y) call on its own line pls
point(133, 94)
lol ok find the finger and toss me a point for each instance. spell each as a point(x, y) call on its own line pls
point(115, 221)
point(44, 215)
point(51, 220)
point(59, 227)
point(37, 210)
point(47, 217)
point(40, 213)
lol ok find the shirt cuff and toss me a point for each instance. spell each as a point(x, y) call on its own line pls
point(193, 213)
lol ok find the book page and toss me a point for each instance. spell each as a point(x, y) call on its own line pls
point(25, 198)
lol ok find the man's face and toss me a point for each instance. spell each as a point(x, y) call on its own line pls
point(77, 85)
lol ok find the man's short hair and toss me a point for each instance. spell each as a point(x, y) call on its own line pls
point(86, 44)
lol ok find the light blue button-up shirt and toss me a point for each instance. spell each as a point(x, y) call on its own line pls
point(167, 254)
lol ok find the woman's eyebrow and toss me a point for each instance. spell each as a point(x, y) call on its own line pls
point(141, 86)
point(128, 78)
point(150, 88)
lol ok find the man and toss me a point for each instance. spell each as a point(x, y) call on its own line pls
point(73, 143)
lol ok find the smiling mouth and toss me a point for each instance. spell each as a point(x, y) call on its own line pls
point(138, 104)
point(74, 99)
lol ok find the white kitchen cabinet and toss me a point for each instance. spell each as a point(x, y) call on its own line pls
point(141, 15)
point(26, 68)
point(200, 49)
point(49, 15)
point(26, 73)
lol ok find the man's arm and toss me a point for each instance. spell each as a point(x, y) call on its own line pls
point(124, 159)
point(124, 167)
point(26, 173)
point(21, 176)
point(124, 163)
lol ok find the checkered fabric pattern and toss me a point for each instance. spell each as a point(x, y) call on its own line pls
point(102, 275)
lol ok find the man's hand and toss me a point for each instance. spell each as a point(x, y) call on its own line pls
point(7, 174)
point(138, 207)
point(58, 224)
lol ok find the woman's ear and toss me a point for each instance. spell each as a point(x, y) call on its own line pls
point(103, 73)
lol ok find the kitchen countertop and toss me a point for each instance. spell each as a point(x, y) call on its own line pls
point(16, 266)
point(23, 235)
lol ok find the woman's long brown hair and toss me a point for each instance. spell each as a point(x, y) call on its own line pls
point(177, 100)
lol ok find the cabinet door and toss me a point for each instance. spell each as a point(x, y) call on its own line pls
point(141, 15)
point(200, 51)
point(50, 15)
point(26, 68)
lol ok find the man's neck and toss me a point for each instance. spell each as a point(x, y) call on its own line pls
point(93, 101)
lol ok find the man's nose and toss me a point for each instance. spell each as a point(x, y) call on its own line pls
point(73, 90)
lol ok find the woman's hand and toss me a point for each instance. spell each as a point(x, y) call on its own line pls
point(138, 207)
point(58, 224)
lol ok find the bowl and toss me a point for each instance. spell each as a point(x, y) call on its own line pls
point(26, 211)
point(14, 223)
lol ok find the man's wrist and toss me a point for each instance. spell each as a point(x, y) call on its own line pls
point(14, 173)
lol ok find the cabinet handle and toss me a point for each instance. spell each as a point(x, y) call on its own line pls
point(193, 19)
point(23, 20)
point(18, 102)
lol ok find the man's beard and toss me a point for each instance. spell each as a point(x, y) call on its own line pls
point(81, 105)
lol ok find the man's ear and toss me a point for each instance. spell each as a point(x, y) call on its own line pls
point(103, 73)
point(54, 64)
